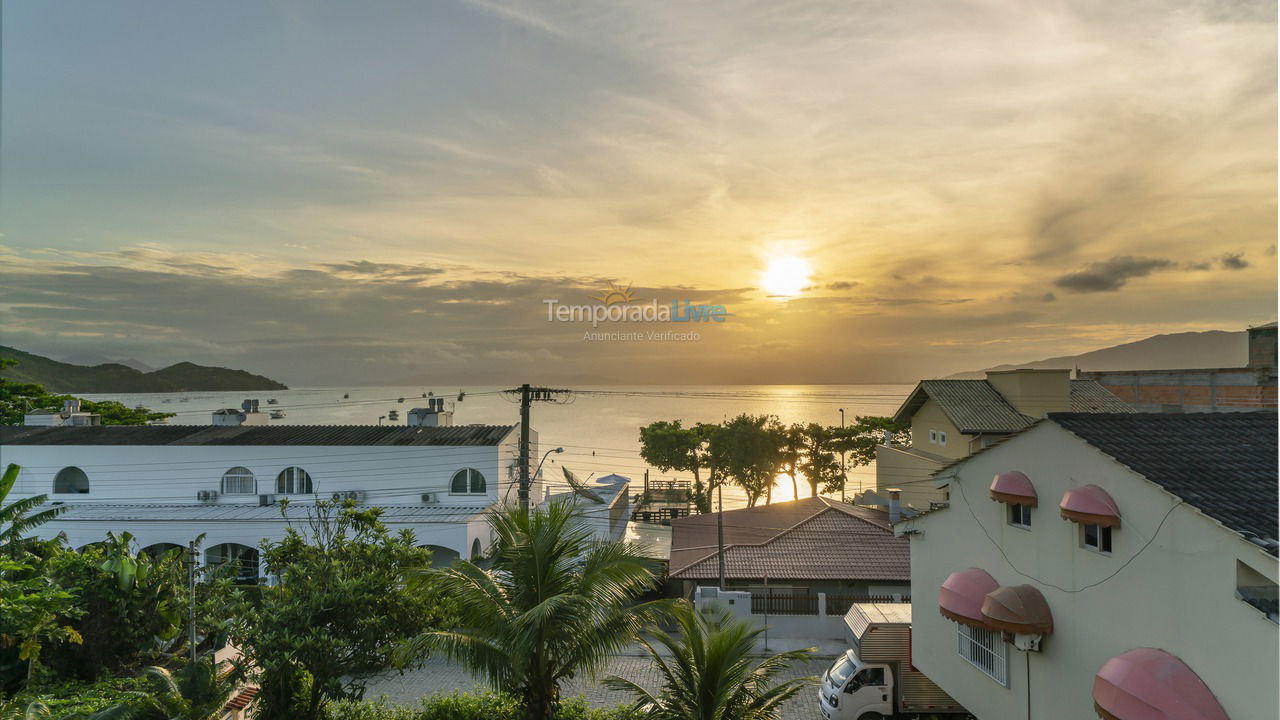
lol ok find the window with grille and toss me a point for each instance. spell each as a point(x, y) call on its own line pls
point(985, 650)
point(467, 481)
point(239, 481)
point(294, 481)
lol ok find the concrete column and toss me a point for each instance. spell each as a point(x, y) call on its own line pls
point(822, 605)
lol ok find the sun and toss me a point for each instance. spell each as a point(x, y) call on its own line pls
point(786, 276)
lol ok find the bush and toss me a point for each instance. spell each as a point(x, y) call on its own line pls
point(66, 698)
point(476, 705)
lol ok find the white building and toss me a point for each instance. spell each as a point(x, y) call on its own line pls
point(1112, 563)
point(169, 484)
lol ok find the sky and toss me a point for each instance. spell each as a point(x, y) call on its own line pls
point(336, 193)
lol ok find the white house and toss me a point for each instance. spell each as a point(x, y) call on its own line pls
point(1122, 564)
point(168, 484)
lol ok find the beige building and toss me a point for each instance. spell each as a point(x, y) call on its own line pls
point(1117, 564)
point(950, 419)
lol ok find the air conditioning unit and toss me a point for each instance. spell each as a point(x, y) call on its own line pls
point(431, 498)
point(207, 495)
point(266, 500)
point(341, 495)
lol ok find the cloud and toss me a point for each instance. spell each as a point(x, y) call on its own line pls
point(1233, 261)
point(1110, 275)
point(1197, 265)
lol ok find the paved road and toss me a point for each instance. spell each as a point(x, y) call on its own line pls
point(442, 675)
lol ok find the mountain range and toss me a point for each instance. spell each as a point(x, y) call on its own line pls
point(1212, 349)
point(115, 377)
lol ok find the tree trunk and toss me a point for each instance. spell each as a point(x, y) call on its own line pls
point(795, 489)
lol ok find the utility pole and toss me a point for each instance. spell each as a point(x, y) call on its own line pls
point(529, 395)
point(191, 580)
point(844, 474)
point(720, 529)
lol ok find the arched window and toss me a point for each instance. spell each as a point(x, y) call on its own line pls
point(467, 481)
point(242, 558)
point(71, 480)
point(476, 551)
point(238, 481)
point(293, 481)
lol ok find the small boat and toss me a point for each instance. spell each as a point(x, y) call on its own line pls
point(185, 400)
point(425, 394)
point(272, 401)
point(400, 400)
point(346, 396)
point(277, 414)
point(167, 400)
point(393, 415)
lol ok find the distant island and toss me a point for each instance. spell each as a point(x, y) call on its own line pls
point(118, 378)
point(1177, 351)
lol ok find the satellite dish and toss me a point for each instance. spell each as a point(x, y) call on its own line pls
point(578, 487)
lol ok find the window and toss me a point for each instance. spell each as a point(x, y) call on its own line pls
point(71, 480)
point(868, 677)
point(1096, 538)
point(985, 650)
point(294, 481)
point(1258, 591)
point(933, 436)
point(1020, 515)
point(238, 481)
point(467, 481)
point(942, 437)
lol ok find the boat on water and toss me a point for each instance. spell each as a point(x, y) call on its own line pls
point(400, 400)
point(185, 400)
point(272, 401)
point(346, 396)
point(277, 414)
point(393, 415)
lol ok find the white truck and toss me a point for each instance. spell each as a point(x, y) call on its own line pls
point(875, 680)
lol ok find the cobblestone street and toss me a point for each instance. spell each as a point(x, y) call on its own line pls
point(442, 675)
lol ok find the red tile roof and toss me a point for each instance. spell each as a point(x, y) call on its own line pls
point(809, 539)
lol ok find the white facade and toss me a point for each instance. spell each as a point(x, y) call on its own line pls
point(1177, 593)
point(172, 493)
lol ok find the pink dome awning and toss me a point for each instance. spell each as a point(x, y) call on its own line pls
point(962, 595)
point(1017, 609)
point(1089, 505)
point(1013, 487)
point(1151, 684)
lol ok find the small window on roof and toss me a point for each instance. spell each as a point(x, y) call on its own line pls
point(942, 437)
point(933, 436)
point(1096, 538)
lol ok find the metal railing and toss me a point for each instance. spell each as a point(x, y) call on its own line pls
point(789, 602)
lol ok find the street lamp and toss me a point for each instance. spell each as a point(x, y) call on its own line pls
point(544, 459)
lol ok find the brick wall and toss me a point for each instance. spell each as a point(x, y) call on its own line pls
point(1211, 390)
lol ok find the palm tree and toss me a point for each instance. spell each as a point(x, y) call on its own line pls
point(710, 673)
point(199, 691)
point(552, 604)
point(15, 520)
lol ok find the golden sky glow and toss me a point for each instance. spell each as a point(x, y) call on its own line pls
point(969, 182)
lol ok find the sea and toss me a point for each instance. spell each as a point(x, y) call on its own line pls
point(598, 426)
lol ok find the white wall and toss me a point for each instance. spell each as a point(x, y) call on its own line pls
point(1178, 595)
point(171, 474)
point(174, 473)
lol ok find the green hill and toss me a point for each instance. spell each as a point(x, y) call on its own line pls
point(116, 378)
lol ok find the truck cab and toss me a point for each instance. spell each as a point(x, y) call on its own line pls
point(853, 689)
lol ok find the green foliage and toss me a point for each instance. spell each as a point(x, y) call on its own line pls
point(709, 671)
point(820, 465)
point(340, 607)
point(74, 698)
point(749, 451)
point(199, 691)
point(33, 614)
point(476, 705)
point(17, 518)
point(128, 603)
point(18, 398)
point(554, 604)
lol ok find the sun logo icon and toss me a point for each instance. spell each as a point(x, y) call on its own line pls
point(615, 295)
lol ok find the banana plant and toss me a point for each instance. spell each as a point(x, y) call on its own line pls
point(17, 518)
point(121, 561)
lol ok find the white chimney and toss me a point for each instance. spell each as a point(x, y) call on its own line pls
point(895, 511)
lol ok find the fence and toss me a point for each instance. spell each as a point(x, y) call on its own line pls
point(784, 602)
